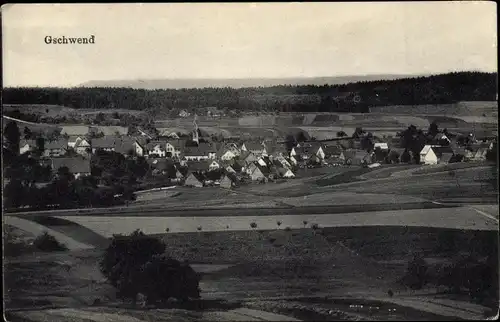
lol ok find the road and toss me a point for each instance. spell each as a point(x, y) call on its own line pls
point(158, 211)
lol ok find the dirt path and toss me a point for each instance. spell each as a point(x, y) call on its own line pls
point(37, 229)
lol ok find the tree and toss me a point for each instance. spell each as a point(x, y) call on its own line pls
point(290, 142)
point(40, 145)
point(341, 134)
point(358, 133)
point(162, 278)
point(433, 129)
point(27, 133)
point(124, 258)
point(12, 137)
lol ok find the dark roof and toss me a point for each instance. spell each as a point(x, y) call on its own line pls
point(254, 146)
point(332, 149)
point(198, 165)
point(151, 145)
point(199, 176)
point(439, 150)
point(58, 144)
point(355, 154)
point(397, 150)
point(124, 145)
point(75, 165)
point(104, 142)
point(265, 170)
point(446, 156)
point(178, 144)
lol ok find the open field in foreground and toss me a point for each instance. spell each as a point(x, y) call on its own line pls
point(269, 271)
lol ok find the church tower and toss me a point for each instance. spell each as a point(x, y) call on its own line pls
point(195, 131)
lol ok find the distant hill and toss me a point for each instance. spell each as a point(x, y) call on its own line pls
point(238, 82)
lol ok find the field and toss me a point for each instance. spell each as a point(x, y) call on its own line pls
point(264, 270)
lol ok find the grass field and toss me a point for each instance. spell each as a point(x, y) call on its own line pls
point(347, 263)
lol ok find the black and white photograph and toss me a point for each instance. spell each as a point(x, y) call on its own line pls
point(286, 161)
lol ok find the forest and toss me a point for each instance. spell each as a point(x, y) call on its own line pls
point(353, 97)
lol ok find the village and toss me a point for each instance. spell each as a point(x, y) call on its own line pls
point(199, 161)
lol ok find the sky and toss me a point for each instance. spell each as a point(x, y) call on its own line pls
point(245, 40)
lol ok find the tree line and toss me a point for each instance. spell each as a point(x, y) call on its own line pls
point(353, 97)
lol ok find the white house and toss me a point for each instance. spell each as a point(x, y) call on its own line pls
point(173, 148)
point(82, 146)
point(427, 155)
point(157, 148)
point(383, 146)
point(26, 146)
point(228, 155)
point(139, 149)
point(213, 166)
point(256, 148)
point(262, 162)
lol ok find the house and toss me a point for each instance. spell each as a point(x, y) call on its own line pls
point(229, 169)
point(78, 166)
point(195, 153)
point(174, 147)
point(262, 162)
point(275, 150)
point(332, 151)
point(250, 168)
point(283, 162)
point(254, 147)
point(55, 148)
point(356, 157)
point(167, 133)
point(184, 113)
point(441, 139)
point(106, 143)
point(74, 139)
point(394, 155)
point(198, 166)
point(306, 150)
point(427, 155)
point(381, 145)
point(228, 181)
point(443, 153)
point(194, 179)
point(285, 172)
point(248, 157)
point(82, 147)
point(259, 173)
point(157, 148)
point(213, 165)
point(129, 146)
point(27, 146)
point(480, 154)
point(160, 166)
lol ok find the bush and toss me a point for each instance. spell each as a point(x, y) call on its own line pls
point(48, 243)
point(135, 264)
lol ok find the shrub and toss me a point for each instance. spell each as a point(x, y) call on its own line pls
point(124, 257)
point(288, 229)
point(48, 243)
point(253, 225)
point(314, 226)
point(163, 278)
point(278, 223)
point(135, 264)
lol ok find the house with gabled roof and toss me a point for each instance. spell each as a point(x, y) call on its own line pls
point(27, 146)
point(174, 148)
point(198, 166)
point(55, 148)
point(228, 181)
point(427, 155)
point(194, 179)
point(157, 148)
point(78, 166)
point(105, 143)
point(285, 173)
point(356, 157)
point(254, 147)
point(74, 139)
point(213, 165)
point(443, 153)
point(381, 145)
point(82, 147)
point(259, 173)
